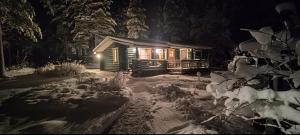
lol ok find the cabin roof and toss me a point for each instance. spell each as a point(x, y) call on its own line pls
point(109, 40)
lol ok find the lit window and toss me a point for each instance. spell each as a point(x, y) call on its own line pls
point(115, 55)
point(171, 53)
point(159, 54)
point(183, 54)
point(144, 53)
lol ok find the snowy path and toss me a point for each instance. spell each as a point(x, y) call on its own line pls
point(146, 115)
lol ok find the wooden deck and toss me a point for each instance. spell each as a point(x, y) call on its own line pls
point(144, 67)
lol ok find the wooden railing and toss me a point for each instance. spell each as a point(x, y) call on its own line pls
point(188, 64)
point(141, 64)
point(174, 64)
point(142, 67)
point(153, 66)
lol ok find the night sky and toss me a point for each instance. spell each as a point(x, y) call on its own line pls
point(252, 14)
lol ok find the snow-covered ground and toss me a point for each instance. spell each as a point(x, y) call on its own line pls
point(175, 104)
point(159, 104)
point(80, 104)
point(20, 72)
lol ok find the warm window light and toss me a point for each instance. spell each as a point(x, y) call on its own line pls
point(157, 50)
point(95, 53)
point(134, 49)
point(98, 56)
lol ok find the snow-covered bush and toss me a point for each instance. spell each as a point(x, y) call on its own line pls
point(66, 68)
point(119, 80)
point(262, 86)
point(172, 92)
point(45, 69)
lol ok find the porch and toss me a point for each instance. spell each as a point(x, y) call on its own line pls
point(143, 67)
point(166, 60)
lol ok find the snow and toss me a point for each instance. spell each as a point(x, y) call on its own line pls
point(296, 78)
point(194, 129)
point(290, 96)
point(49, 127)
point(263, 35)
point(20, 72)
point(249, 45)
point(297, 50)
point(267, 102)
point(295, 129)
point(8, 93)
point(63, 93)
point(253, 82)
point(217, 78)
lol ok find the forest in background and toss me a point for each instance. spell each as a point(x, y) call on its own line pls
point(67, 24)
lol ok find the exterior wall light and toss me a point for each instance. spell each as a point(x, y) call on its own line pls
point(157, 50)
point(98, 56)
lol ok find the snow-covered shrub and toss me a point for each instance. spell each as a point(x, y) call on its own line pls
point(65, 68)
point(112, 87)
point(45, 69)
point(258, 86)
point(119, 80)
point(172, 92)
point(72, 68)
point(185, 105)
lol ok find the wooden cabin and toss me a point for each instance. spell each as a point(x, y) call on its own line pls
point(149, 57)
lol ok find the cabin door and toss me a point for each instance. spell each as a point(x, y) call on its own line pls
point(171, 55)
point(123, 58)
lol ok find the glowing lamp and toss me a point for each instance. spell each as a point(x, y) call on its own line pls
point(157, 50)
point(98, 56)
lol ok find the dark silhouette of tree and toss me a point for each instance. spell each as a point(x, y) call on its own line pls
point(79, 21)
point(17, 15)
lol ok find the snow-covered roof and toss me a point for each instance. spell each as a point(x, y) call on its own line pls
point(109, 40)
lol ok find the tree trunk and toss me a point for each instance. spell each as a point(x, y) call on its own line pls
point(2, 66)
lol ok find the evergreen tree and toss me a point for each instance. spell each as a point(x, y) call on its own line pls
point(94, 18)
point(136, 23)
point(119, 14)
point(79, 21)
point(17, 15)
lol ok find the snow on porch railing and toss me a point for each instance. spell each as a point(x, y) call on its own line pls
point(143, 64)
point(189, 64)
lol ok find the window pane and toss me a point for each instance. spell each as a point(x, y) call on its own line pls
point(159, 54)
point(115, 55)
point(144, 53)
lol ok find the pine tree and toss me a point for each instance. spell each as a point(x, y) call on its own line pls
point(119, 14)
point(136, 23)
point(18, 15)
point(82, 20)
point(93, 18)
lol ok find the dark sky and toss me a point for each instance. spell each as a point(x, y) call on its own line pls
point(247, 13)
point(252, 14)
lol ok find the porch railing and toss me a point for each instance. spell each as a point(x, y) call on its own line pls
point(188, 64)
point(144, 64)
point(155, 64)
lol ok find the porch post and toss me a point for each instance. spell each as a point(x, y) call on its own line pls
point(201, 54)
point(137, 53)
point(164, 56)
point(193, 54)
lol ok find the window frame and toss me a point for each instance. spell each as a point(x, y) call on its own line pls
point(115, 55)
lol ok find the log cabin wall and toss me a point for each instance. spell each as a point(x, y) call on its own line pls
point(107, 63)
